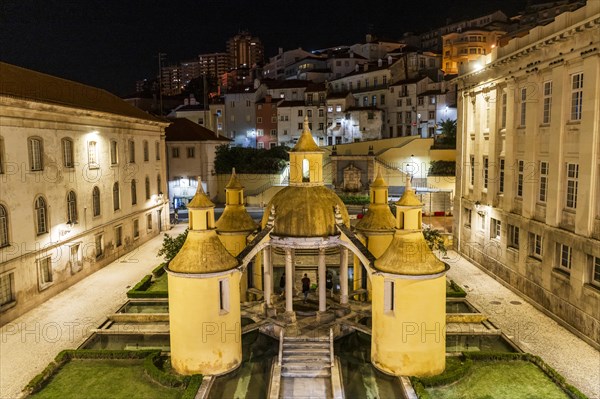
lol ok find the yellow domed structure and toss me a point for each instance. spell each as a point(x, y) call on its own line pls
point(306, 208)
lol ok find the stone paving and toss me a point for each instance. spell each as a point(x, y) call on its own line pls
point(30, 342)
point(528, 327)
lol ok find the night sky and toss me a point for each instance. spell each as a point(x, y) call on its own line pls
point(111, 44)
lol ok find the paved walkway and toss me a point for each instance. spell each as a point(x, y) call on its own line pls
point(531, 329)
point(32, 341)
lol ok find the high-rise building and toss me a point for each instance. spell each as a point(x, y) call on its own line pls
point(189, 70)
point(170, 79)
point(245, 50)
point(213, 64)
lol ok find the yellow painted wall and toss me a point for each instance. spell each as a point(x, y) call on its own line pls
point(315, 166)
point(410, 340)
point(234, 244)
point(204, 339)
point(443, 155)
point(250, 182)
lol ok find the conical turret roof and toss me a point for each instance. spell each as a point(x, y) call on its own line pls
point(306, 143)
point(200, 199)
point(234, 182)
point(409, 254)
point(379, 217)
point(235, 217)
point(409, 197)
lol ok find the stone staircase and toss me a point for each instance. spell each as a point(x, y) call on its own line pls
point(306, 358)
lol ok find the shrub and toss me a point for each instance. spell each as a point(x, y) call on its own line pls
point(435, 240)
point(251, 160)
point(171, 246)
point(456, 368)
point(159, 270)
point(442, 168)
point(355, 199)
point(140, 289)
point(152, 366)
point(456, 291)
point(192, 387)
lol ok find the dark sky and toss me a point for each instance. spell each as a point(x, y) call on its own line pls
point(112, 43)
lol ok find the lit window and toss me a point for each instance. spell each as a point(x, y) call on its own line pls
point(35, 153)
point(338, 108)
point(576, 96)
point(572, 185)
point(67, 150)
point(92, 155)
point(41, 213)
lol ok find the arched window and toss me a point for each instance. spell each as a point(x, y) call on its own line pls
point(147, 188)
point(71, 207)
point(133, 192)
point(116, 197)
point(36, 150)
point(67, 150)
point(41, 215)
point(3, 227)
point(305, 170)
point(96, 201)
point(158, 184)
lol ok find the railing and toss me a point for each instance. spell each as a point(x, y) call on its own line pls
point(280, 358)
point(332, 357)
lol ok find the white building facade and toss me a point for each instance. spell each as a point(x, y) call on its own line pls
point(82, 177)
point(527, 201)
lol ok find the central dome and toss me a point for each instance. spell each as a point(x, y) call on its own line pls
point(305, 212)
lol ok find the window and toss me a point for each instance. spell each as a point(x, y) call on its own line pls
point(572, 183)
point(7, 288)
point(432, 115)
point(133, 192)
point(71, 207)
point(565, 254)
point(321, 113)
point(409, 102)
point(273, 132)
point(576, 96)
point(420, 101)
point(136, 228)
point(501, 176)
point(547, 102)
point(147, 186)
point(175, 152)
point(299, 112)
point(259, 119)
point(114, 154)
point(41, 215)
point(482, 222)
point(472, 166)
point(260, 145)
point(67, 150)
point(191, 152)
point(300, 126)
point(374, 101)
point(595, 261)
point(146, 151)
point(467, 216)
point(321, 126)
point(503, 111)
point(157, 150)
point(274, 119)
point(149, 221)
point(36, 149)
point(118, 236)
point(99, 245)
point(487, 114)
point(232, 104)
point(116, 197)
point(4, 242)
point(248, 103)
point(260, 132)
point(96, 201)
point(1, 155)
point(520, 177)
point(158, 185)
point(408, 116)
point(224, 295)
point(513, 236)
point(329, 108)
point(45, 270)
point(309, 113)
point(92, 154)
point(523, 114)
point(399, 102)
point(535, 245)
point(485, 172)
point(543, 181)
point(338, 108)
point(131, 151)
point(495, 228)
point(388, 296)
point(431, 100)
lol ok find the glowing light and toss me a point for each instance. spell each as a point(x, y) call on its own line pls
point(477, 67)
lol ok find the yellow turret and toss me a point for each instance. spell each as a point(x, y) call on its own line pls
point(205, 333)
point(375, 229)
point(235, 224)
point(409, 299)
point(306, 160)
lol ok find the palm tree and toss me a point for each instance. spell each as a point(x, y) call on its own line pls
point(448, 132)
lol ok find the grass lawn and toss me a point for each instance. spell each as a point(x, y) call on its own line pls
point(159, 284)
point(101, 379)
point(490, 380)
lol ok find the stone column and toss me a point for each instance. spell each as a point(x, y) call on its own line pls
point(343, 275)
point(268, 276)
point(322, 281)
point(289, 281)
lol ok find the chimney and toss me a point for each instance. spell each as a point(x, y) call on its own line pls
point(389, 60)
point(379, 62)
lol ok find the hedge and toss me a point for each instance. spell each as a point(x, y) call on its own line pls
point(139, 290)
point(419, 384)
point(457, 291)
point(192, 387)
point(456, 368)
point(355, 199)
point(159, 270)
point(160, 376)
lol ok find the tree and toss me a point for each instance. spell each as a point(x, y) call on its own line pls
point(171, 246)
point(435, 240)
point(448, 132)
